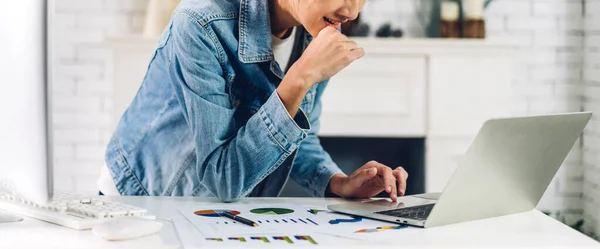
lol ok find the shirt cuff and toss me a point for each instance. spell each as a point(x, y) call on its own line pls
point(288, 132)
point(323, 178)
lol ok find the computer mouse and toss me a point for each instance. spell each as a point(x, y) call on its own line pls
point(125, 228)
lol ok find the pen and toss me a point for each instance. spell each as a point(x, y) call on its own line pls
point(240, 219)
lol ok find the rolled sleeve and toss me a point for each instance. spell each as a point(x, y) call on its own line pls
point(323, 178)
point(289, 132)
point(313, 166)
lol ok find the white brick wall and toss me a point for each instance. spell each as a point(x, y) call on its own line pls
point(549, 78)
point(591, 148)
point(81, 108)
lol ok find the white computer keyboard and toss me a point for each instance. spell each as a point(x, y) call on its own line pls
point(71, 211)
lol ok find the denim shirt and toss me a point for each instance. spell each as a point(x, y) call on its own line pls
point(207, 120)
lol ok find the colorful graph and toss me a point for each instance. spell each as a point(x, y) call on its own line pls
point(214, 212)
point(265, 239)
point(288, 239)
point(284, 238)
point(306, 238)
point(380, 229)
point(240, 239)
point(338, 221)
point(288, 221)
point(316, 211)
point(271, 211)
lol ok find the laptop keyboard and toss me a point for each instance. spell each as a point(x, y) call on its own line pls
point(415, 213)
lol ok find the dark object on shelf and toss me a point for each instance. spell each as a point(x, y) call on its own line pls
point(397, 33)
point(361, 30)
point(450, 29)
point(474, 29)
point(384, 31)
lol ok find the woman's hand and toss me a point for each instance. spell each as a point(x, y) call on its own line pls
point(327, 54)
point(370, 180)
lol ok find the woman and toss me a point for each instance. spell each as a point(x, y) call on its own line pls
point(230, 105)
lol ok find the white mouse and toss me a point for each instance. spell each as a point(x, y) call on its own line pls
point(126, 228)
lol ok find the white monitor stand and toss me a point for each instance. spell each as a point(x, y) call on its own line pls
point(25, 161)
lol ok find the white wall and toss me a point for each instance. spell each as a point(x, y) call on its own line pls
point(549, 76)
point(81, 90)
point(591, 151)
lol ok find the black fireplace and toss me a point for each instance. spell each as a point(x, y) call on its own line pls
point(352, 153)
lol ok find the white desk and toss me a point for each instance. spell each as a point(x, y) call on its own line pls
point(531, 229)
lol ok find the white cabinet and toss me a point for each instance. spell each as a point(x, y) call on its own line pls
point(380, 95)
point(465, 91)
point(440, 90)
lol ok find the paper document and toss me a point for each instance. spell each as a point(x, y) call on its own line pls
point(283, 220)
point(271, 220)
point(189, 237)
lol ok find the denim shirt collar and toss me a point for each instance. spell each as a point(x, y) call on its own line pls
point(255, 42)
point(255, 32)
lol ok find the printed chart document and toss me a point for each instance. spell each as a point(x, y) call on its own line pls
point(273, 219)
point(191, 238)
point(292, 224)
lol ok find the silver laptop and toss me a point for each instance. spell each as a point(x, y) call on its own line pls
point(506, 170)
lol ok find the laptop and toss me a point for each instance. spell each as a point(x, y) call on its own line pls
point(506, 170)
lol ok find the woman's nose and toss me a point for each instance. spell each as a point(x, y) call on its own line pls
point(351, 9)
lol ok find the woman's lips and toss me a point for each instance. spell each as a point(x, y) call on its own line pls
point(332, 23)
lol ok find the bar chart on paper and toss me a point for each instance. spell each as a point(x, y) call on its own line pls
point(190, 238)
point(272, 223)
point(275, 241)
point(271, 220)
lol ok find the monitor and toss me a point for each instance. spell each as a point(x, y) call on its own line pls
point(25, 156)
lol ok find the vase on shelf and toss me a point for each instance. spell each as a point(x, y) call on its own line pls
point(471, 17)
point(158, 15)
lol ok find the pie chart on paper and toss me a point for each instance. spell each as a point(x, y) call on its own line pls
point(271, 211)
point(214, 212)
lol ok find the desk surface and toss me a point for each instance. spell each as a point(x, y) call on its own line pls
point(531, 229)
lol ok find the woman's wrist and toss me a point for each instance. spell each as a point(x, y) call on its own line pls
point(336, 184)
point(291, 91)
point(301, 73)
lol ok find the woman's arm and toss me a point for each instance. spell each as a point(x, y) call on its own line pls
point(327, 54)
point(230, 162)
